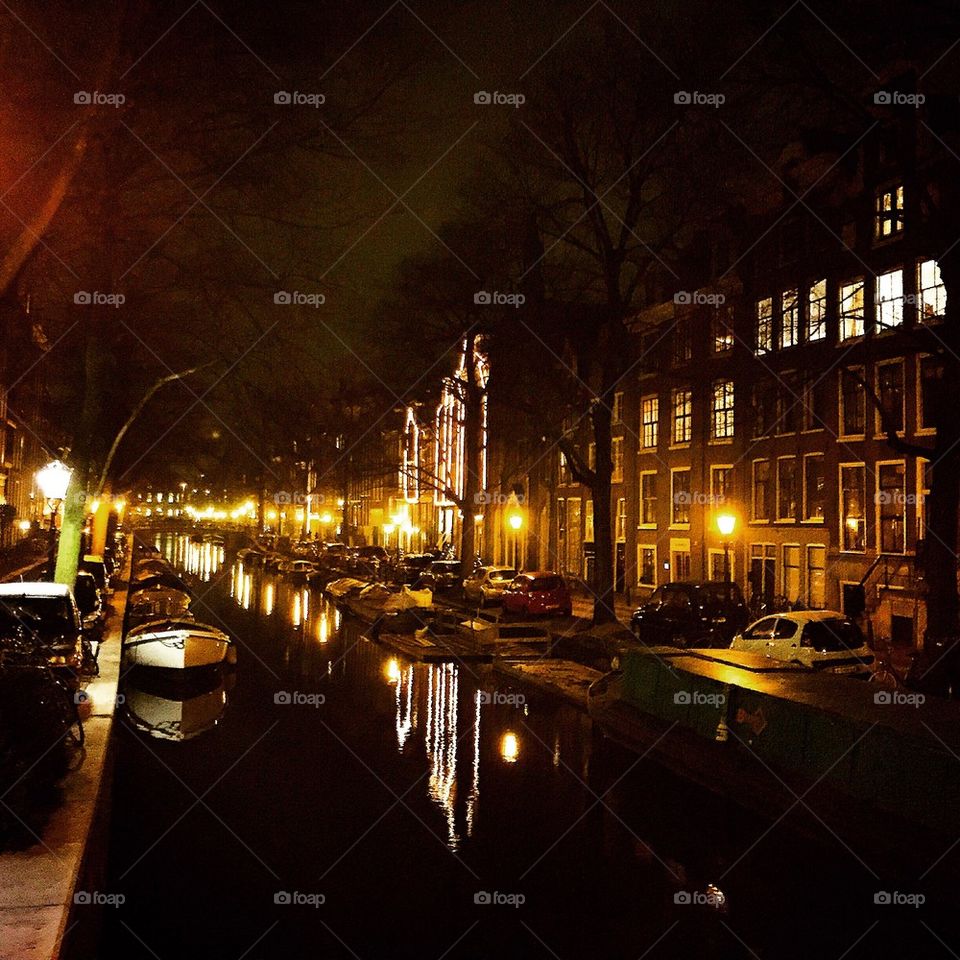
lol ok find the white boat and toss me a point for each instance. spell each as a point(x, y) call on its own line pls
point(176, 645)
point(158, 603)
point(297, 568)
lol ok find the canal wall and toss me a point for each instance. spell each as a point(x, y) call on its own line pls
point(43, 888)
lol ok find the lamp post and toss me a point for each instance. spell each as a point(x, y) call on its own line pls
point(726, 524)
point(516, 522)
point(53, 480)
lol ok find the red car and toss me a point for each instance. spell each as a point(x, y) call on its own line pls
point(542, 592)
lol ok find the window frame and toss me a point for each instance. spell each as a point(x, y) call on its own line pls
point(805, 511)
point(842, 314)
point(841, 513)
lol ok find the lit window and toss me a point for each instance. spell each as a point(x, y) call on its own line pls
point(787, 488)
point(648, 499)
point(816, 576)
point(682, 416)
point(853, 410)
point(890, 300)
point(890, 393)
point(621, 524)
point(853, 518)
point(721, 484)
point(791, 571)
point(680, 496)
point(931, 293)
point(814, 486)
point(722, 323)
point(761, 490)
point(616, 454)
point(892, 505)
point(789, 318)
point(588, 521)
point(817, 311)
point(649, 421)
point(618, 407)
point(851, 309)
point(592, 456)
point(764, 327)
point(889, 214)
point(646, 566)
point(722, 410)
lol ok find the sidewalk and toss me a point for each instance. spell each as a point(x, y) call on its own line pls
point(37, 885)
point(583, 608)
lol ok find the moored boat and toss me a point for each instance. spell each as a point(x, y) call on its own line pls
point(176, 644)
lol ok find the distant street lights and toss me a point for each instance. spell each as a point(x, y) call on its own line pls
point(726, 524)
point(53, 480)
point(515, 520)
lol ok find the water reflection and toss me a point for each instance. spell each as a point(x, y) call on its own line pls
point(175, 709)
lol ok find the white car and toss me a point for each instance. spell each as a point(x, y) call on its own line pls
point(488, 583)
point(818, 639)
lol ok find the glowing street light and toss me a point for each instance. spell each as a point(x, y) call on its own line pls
point(726, 524)
point(53, 480)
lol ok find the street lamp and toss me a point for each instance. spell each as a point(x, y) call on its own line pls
point(726, 524)
point(53, 480)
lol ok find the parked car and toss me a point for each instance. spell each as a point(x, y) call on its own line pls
point(48, 614)
point(94, 564)
point(411, 566)
point(488, 584)
point(535, 593)
point(691, 615)
point(440, 575)
point(819, 639)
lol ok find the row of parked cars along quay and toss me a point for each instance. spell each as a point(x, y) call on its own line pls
point(50, 636)
point(683, 614)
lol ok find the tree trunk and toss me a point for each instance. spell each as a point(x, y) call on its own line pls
point(604, 610)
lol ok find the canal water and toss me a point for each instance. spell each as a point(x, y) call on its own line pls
point(329, 799)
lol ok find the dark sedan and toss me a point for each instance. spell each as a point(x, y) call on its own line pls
point(691, 615)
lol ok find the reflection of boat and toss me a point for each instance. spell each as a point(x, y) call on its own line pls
point(171, 711)
point(250, 557)
point(177, 644)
